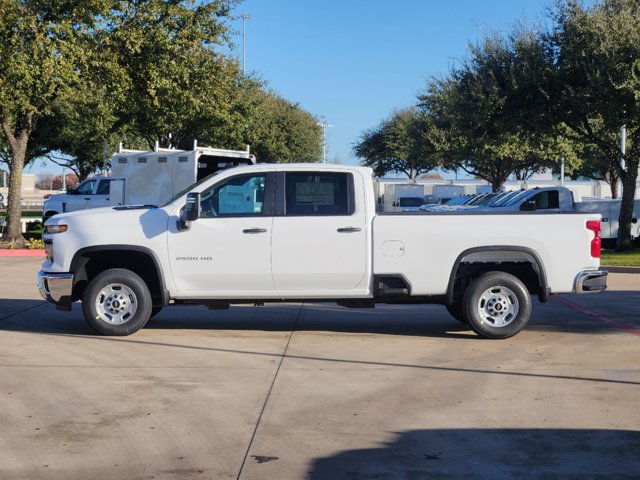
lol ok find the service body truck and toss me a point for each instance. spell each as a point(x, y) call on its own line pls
point(146, 178)
point(610, 211)
point(298, 232)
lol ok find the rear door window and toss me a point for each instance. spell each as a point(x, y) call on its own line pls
point(319, 193)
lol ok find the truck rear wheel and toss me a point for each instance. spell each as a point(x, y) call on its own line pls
point(117, 302)
point(497, 305)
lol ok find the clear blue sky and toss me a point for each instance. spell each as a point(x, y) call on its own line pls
point(352, 62)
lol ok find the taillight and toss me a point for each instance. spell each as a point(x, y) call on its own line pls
point(596, 243)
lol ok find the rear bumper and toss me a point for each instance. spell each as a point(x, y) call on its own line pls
point(56, 287)
point(591, 281)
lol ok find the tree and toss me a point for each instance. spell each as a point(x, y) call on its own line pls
point(176, 86)
point(73, 135)
point(594, 59)
point(407, 142)
point(277, 129)
point(484, 107)
point(598, 167)
point(42, 56)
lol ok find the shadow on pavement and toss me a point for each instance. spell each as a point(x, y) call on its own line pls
point(408, 320)
point(38, 316)
point(494, 454)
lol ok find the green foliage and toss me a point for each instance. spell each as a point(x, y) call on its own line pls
point(171, 85)
point(279, 130)
point(485, 108)
point(35, 244)
point(595, 64)
point(41, 47)
point(407, 142)
point(630, 258)
point(76, 74)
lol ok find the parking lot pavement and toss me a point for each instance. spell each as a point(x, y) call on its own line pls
point(315, 391)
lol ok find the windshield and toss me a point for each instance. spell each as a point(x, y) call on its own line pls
point(500, 201)
point(482, 200)
point(189, 188)
point(516, 198)
point(411, 202)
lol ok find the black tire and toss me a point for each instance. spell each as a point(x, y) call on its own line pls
point(47, 216)
point(117, 302)
point(456, 310)
point(497, 305)
point(155, 310)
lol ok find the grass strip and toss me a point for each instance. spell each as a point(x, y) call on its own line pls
point(616, 259)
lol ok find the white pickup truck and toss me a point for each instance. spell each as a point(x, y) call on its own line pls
point(271, 233)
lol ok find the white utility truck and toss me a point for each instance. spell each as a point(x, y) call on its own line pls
point(610, 211)
point(271, 233)
point(146, 178)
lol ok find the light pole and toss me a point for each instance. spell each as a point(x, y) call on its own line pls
point(244, 17)
point(324, 126)
point(623, 150)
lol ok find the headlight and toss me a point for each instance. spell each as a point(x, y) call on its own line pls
point(56, 228)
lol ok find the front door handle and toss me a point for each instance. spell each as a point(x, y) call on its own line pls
point(349, 229)
point(254, 230)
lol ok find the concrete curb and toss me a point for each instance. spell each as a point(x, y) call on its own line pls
point(21, 252)
point(621, 269)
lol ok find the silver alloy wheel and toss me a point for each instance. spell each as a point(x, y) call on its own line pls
point(116, 303)
point(498, 306)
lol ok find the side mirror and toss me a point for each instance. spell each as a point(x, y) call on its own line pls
point(395, 204)
point(528, 206)
point(190, 212)
point(192, 208)
point(70, 190)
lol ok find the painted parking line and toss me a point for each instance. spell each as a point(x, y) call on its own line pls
point(613, 323)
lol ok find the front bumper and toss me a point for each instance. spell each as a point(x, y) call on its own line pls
point(56, 287)
point(592, 281)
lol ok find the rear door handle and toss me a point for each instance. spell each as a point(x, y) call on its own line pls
point(254, 230)
point(349, 229)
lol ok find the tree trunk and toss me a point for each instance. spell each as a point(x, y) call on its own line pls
point(612, 179)
point(624, 242)
point(13, 231)
point(614, 189)
point(12, 235)
point(497, 181)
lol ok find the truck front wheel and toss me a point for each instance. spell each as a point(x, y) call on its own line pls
point(117, 302)
point(497, 305)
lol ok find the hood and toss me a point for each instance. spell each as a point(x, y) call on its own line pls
point(114, 223)
point(96, 213)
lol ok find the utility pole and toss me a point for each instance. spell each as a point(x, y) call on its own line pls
point(324, 126)
point(244, 17)
point(623, 150)
point(562, 172)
